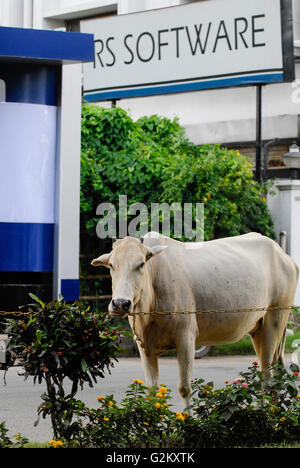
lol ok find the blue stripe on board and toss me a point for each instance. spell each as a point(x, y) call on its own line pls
point(70, 289)
point(183, 87)
point(26, 247)
point(55, 46)
point(30, 83)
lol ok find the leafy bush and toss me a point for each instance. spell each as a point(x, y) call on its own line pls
point(56, 341)
point(151, 161)
point(5, 442)
point(247, 413)
point(244, 413)
point(118, 158)
point(223, 180)
point(142, 420)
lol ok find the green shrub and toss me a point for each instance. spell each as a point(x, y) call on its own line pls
point(247, 413)
point(151, 161)
point(56, 341)
point(118, 158)
point(223, 180)
point(244, 413)
point(5, 442)
point(142, 420)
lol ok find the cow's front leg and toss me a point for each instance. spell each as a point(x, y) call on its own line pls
point(185, 355)
point(150, 366)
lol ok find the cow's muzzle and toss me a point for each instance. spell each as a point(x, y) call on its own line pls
point(119, 307)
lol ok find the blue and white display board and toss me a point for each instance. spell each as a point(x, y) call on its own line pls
point(27, 186)
point(40, 117)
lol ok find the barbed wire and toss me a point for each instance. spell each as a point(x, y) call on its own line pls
point(183, 312)
point(216, 311)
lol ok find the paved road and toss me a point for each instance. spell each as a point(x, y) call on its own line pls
point(19, 399)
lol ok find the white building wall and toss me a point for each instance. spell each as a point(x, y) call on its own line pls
point(226, 115)
point(11, 13)
point(222, 116)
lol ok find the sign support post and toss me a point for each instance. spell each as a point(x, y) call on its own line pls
point(258, 171)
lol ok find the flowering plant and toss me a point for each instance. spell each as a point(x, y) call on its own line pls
point(143, 419)
point(19, 441)
point(250, 409)
point(58, 341)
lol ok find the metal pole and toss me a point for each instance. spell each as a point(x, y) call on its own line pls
point(258, 173)
point(266, 156)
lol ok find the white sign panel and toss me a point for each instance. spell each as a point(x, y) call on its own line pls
point(194, 46)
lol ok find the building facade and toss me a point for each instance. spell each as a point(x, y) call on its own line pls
point(226, 116)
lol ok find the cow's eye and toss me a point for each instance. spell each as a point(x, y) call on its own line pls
point(140, 266)
point(111, 267)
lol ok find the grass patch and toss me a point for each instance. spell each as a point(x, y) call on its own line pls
point(244, 347)
point(37, 445)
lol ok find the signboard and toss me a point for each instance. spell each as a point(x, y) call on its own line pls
point(203, 45)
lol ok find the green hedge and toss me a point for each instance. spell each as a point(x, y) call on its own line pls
point(151, 160)
point(246, 412)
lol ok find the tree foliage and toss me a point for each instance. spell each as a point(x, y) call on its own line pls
point(151, 161)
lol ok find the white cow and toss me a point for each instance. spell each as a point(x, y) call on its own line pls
point(160, 274)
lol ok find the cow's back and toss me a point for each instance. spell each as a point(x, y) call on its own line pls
point(236, 272)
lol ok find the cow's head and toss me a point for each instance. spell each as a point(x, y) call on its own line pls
point(127, 264)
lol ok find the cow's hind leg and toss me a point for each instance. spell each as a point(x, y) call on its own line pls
point(150, 366)
point(268, 340)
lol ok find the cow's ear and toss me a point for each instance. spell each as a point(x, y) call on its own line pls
point(103, 260)
point(157, 249)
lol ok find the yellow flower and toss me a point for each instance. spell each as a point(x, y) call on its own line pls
point(179, 416)
point(145, 423)
point(56, 443)
point(159, 395)
point(110, 403)
point(163, 390)
point(100, 398)
point(186, 415)
point(105, 419)
point(17, 436)
point(298, 396)
point(138, 381)
point(283, 419)
point(157, 405)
